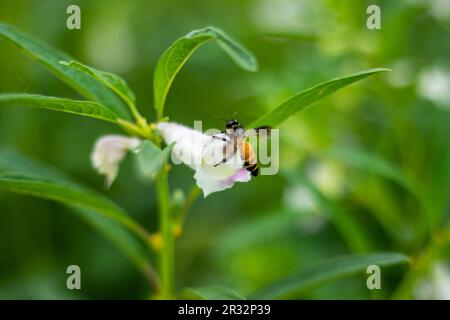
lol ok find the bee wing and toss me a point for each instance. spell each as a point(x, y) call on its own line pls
point(221, 136)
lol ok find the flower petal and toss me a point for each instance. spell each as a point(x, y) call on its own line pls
point(109, 151)
point(188, 145)
point(243, 175)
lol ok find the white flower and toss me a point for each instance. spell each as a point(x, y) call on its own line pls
point(434, 84)
point(435, 285)
point(202, 152)
point(109, 151)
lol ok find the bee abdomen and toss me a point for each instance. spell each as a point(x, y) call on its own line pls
point(249, 158)
point(252, 167)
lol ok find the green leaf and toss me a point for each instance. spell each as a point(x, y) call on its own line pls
point(83, 108)
point(171, 61)
point(25, 176)
point(371, 162)
point(50, 58)
point(256, 231)
point(350, 229)
point(307, 97)
point(372, 192)
point(211, 293)
point(12, 161)
point(328, 271)
point(150, 159)
point(112, 81)
point(66, 193)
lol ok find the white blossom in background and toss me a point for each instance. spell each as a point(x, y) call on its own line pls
point(328, 177)
point(109, 151)
point(201, 152)
point(436, 286)
point(301, 200)
point(434, 85)
point(440, 9)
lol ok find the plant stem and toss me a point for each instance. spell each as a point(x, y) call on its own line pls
point(139, 131)
point(166, 262)
point(182, 213)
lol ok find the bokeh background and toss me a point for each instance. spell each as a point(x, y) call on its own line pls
point(365, 170)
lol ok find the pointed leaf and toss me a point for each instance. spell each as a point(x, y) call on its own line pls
point(25, 176)
point(12, 161)
point(83, 108)
point(170, 63)
point(305, 98)
point(111, 80)
point(66, 193)
point(328, 271)
point(50, 58)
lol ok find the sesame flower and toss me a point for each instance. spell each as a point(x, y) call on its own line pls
point(202, 153)
point(109, 151)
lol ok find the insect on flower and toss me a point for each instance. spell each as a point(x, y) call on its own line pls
point(219, 160)
point(237, 139)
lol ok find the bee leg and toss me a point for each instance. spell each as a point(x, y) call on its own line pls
point(228, 155)
point(219, 138)
point(221, 162)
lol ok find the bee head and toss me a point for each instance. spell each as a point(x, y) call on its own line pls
point(232, 124)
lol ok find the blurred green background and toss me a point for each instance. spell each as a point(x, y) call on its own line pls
point(365, 170)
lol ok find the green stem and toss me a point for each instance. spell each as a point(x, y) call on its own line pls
point(182, 213)
point(139, 131)
point(140, 120)
point(166, 262)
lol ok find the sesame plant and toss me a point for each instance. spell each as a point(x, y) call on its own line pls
point(150, 142)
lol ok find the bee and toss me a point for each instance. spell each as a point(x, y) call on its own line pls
point(236, 138)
